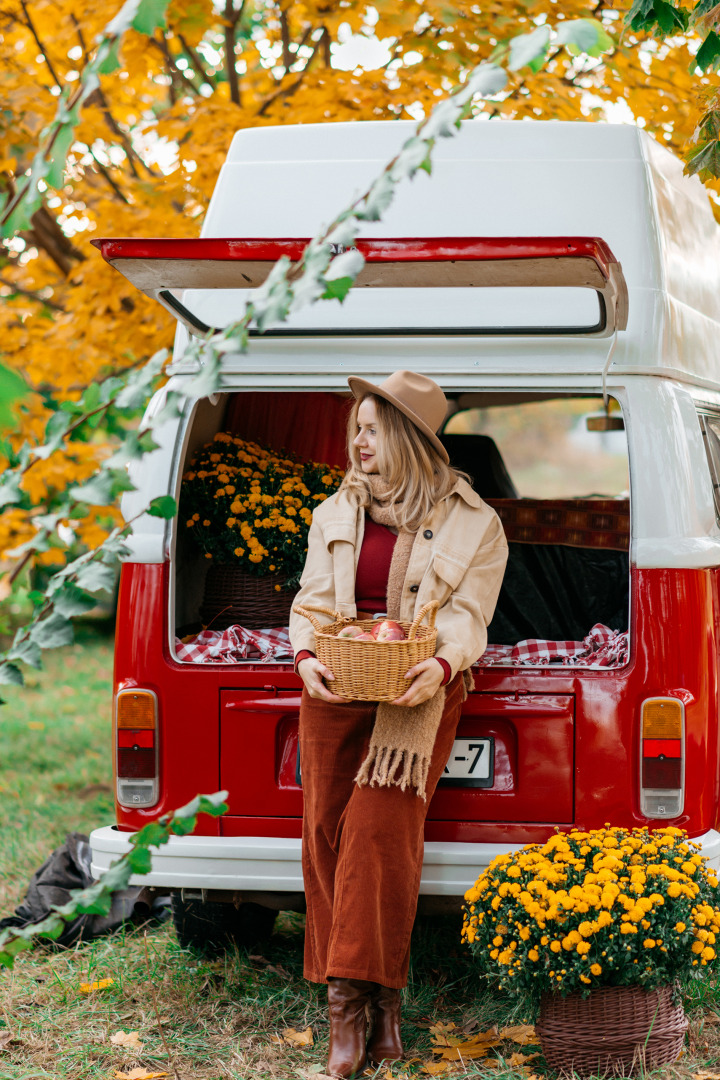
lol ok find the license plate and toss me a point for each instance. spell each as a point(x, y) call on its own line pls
point(471, 763)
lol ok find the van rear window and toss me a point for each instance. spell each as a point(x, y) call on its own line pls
point(710, 427)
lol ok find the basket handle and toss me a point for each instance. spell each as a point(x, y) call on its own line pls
point(429, 609)
point(317, 626)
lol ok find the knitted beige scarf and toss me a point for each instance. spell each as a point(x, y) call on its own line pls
point(403, 737)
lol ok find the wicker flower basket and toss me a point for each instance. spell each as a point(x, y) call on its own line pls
point(234, 597)
point(615, 1031)
point(372, 670)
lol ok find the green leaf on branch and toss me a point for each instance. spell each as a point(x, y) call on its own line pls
point(70, 600)
point(708, 54)
point(108, 59)
point(670, 19)
point(26, 651)
point(337, 289)
point(10, 491)
point(95, 576)
point(641, 15)
point(139, 860)
point(150, 835)
point(149, 16)
point(185, 825)
point(164, 506)
point(12, 388)
point(52, 632)
point(584, 36)
point(61, 147)
point(705, 162)
point(528, 49)
point(11, 675)
point(103, 488)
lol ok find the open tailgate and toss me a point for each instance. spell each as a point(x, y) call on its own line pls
point(162, 268)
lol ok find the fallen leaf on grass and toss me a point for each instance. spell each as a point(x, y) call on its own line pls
point(138, 1074)
point(440, 1029)
point(522, 1034)
point(129, 1039)
point(291, 1037)
point(436, 1068)
point(36, 725)
point(705, 1075)
point(520, 1059)
point(456, 1048)
point(6, 1038)
point(101, 984)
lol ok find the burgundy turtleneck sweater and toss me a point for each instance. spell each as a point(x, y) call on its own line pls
point(371, 578)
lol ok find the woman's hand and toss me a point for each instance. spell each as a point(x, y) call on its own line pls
point(312, 672)
point(427, 677)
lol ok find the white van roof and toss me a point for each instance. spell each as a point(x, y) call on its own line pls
point(505, 178)
point(494, 179)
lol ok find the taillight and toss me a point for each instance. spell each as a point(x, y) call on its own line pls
point(662, 758)
point(136, 750)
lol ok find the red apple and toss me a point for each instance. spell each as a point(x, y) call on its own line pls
point(388, 630)
point(350, 632)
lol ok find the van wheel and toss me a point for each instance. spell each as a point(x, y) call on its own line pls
point(211, 927)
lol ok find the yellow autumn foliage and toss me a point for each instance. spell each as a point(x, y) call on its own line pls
point(153, 136)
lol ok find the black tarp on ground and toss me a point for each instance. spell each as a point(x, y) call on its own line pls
point(556, 592)
point(68, 868)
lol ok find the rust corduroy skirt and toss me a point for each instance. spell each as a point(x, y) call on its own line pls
point(362, 847)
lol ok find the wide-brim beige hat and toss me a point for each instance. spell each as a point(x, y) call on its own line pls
point(416, 396)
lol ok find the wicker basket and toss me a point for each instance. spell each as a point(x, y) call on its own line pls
point(372, 670)
point(232, 596)
point(615, 1031)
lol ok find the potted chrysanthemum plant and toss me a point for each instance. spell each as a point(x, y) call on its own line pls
point(599, 930)
point(248, 510)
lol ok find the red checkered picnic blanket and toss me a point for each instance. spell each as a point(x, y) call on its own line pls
point(235, 643)
point(601, 648)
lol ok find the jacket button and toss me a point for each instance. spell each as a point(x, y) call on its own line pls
point(414, 588)
point(428, 534)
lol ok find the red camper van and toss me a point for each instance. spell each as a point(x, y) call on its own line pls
point(539, 269)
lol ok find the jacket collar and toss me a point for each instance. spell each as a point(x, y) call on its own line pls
point(468, 494)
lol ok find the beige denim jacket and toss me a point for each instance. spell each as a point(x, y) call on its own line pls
point(458, 558)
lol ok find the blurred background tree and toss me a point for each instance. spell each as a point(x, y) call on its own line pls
point(153, 135)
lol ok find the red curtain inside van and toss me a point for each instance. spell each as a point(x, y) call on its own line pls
point(310, 425)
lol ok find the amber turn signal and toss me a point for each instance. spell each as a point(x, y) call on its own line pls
point(136, 709)
point(662, 718)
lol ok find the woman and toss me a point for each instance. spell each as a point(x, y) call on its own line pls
point(403, 528)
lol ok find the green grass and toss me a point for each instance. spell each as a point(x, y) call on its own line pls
point(216, 1019)
point(55, 757)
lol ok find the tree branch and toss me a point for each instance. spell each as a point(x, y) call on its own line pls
point(47, 234)
point(31, 27)
point(98, 98)
point(181, 80)
point(232, 17)
point(106, 173)
point(325, 42)
point(30, 295)
point(197, 62)
point(285, 37)
point(288, 91)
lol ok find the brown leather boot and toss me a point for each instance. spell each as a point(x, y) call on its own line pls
point(385, 1043)
point(347, 1000)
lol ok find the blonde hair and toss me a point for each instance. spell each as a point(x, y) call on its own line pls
point(415, 472)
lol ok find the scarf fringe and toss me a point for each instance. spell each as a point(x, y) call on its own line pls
point(382, 764)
